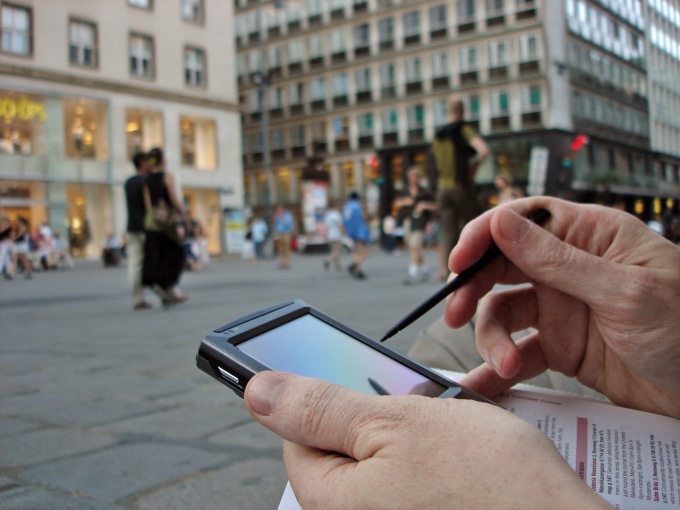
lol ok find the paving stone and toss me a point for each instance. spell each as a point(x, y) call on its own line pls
point(45, 445)
point(181, 423)
point(251, 485)
point(123, 471)
point(9, 426)
point(35, 498)
point(252, 434)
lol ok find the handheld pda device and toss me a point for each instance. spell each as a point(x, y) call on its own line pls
point(294, 337)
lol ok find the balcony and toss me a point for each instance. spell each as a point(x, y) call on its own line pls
point(315, 20)
point(276, 113)
point(297, 109)
point(440, 83)
point(531, 120)
point(500, 124)
point(299, 151)
point(411, 40)
point(362, 51)
point(530, 68)
point(339, 58)
point(274, 32)
point(294, 26)
point(342, 145)
point(316, 63)
point(339, 101)
point(499, 73)
point(390, 139)
point(469, 78)
point(366, 142)
point(526, 10)
point(415, 87)
point(387, 45)
point(337, 14)
point(319, 105)
point(360, 7)
point(467, 27)
point(439, 33)
point(364, 97)
point(416, 135)
point(278, 154)
point(495, 19)
point(388, 92)
point(295, 68)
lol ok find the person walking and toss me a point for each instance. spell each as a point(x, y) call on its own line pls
point(506, 190)
point(6, 248)
point(283, 224)
point(334, 233)
point(163, 251)
point(458, 152)
point(136, 210)
point(415, 206)
point(259, 230)
point(357, 230)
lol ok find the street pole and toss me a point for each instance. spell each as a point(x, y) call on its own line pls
point(264, 112)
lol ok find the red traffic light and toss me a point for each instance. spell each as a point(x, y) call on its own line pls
point(579, 142)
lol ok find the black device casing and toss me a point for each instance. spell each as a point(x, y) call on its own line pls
point(219, 357)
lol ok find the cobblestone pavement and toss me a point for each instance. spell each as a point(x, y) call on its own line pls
point(102, 407)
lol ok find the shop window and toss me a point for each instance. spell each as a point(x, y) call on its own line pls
point(141, 56)
point(85, 129)
point(16, 30)
point(22, 121)
point(82, 43)
point(198, 143)
point(193, 10)
point(143, 131)
point(195, 67)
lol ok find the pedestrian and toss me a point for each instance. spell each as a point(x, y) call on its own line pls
point(415, 205)
point(334, 234)
point(22, 247)
point(389, 225)
point(6, 248)
point(259, 231)
point(136, 211)
point(506, 190)
point(458, 152)
point(248, 249)
point(284, 226)
point(164, 226)
point(621, 340)
point(358, 232)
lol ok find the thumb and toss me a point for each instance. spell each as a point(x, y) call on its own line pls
point(309, 411)
point(548, 260)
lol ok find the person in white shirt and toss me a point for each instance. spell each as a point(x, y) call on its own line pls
point(334, 234)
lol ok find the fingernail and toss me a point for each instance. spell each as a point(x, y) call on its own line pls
point(497, 356)
point(513, 227)
point(264, 392)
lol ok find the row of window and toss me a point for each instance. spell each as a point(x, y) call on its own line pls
point(497, 106)
point(605, 30)
point(84, 47)
point(191, 10)
point(24, 121)
point(667, 10)
point(610, 113)
point(248, 26)
point(471, 57)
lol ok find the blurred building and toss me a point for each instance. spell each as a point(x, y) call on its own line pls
point(564, 91)
point(84, 84)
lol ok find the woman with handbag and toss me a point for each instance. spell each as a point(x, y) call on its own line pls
point(164, 226)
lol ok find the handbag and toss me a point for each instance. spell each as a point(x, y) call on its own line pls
point(166, 218)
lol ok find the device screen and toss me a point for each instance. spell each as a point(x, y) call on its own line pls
point(311, 347)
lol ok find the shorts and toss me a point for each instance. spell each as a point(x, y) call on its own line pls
point(416, 239)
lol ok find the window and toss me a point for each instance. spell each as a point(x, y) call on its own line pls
point(365, 124)
point(388, 82)
point(363, 79)
point(295, 51)
point(494, 8)
point(144, 131)
point(498, 54)
point(415, 117)
point(466, 11)
point(528, 48)
point(82, 43)
point(531, 98)
point(440, 113)
point(340, 85)
point(296, 93)
point(141, 56)
point(438, 17)
point(386, 32)
point(338, 41)
point(275, 98)
point(193, 10)
point(23, 127)
point(318, 90)
point(198, 143)
point(440, 64)
point(254, 102)
point(362, 35)
point(341, 128)
point(195, 67)
point(500, 103)
point(473, 107)
point(16, 30)
point(297, 136)
point(411, 24)
point(390, 120)
point(315, 46)
point(142, 4)
point(85, 129)
point(413, 73)
point(468, 58)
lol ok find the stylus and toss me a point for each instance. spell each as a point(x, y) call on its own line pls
point(538, 216)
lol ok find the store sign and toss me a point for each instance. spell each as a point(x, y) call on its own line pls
point(23, 109)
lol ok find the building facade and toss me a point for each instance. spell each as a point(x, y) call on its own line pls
point(85, 84)
point(354, 81)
